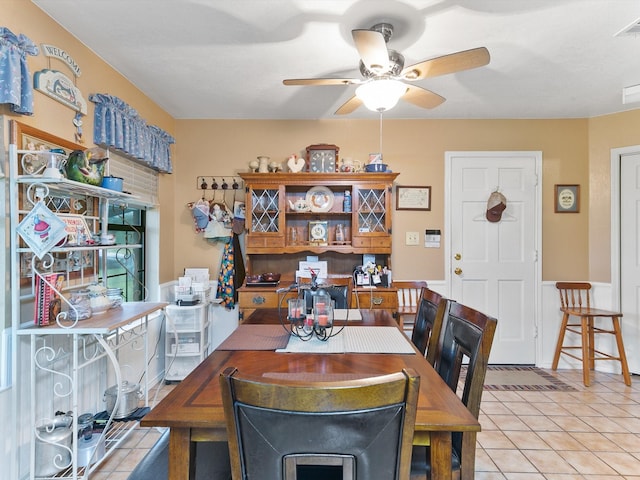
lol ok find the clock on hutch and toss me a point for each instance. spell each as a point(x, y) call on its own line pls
point(319, 232)
point(322, 158)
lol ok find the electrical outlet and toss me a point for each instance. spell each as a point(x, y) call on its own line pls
point(412, 238)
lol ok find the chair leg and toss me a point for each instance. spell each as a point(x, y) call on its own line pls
point(587, 333)
point(621, 352)
point(592, 343)
point(563, 329)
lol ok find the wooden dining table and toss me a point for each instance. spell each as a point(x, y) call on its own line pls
point(194, 413)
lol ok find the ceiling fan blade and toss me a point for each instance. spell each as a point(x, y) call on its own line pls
point(349, 106)
point(372, 50)
point(421, 97)
point(321, 81)
point(454, 62)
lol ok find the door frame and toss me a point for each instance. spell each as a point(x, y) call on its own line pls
point(616, 159)
point(537, 281)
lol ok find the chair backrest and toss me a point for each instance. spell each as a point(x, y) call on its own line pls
point(340, 293)
point(284, 429)
point(467, 335)
point(408, 295)
point(428, 323)
point(574, 294)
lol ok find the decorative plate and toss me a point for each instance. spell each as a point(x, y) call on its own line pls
point(41, 229)
point(320, 199)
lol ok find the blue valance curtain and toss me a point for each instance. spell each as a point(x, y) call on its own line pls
point(16, 88)
point(117, 125)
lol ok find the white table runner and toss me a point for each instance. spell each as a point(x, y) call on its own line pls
point(354, 340)
point(351, 315)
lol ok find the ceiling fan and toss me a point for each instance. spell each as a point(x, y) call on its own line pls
point(385, 76)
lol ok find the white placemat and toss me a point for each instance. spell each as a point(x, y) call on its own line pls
point(351, 315)
point(376, 340)
point(354, 340)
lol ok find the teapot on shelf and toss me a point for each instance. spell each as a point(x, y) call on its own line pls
point(300, 205)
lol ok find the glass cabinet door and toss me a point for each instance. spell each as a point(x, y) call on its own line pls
point(371, 210)
point(265, 210)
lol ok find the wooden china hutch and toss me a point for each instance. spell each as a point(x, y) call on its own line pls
point(290, 216)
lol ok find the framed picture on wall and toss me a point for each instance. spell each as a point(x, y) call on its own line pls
point(413, 198)
point(567, 198)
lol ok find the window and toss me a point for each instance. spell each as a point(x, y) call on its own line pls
point(125, 266)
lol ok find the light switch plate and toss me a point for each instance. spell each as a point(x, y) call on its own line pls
point(412, 238)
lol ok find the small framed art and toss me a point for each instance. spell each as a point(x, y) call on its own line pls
point(41, 229)
point(78, 231)
point(413, 198)
point(567, 198)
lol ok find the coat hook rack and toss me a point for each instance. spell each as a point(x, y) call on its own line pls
point(202, 184)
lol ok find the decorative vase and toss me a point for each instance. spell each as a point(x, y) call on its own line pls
point(263, 166)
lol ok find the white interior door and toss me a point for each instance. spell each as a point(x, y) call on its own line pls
point(493, 267)
point(630, 257)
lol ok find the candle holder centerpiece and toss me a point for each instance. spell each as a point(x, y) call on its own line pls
point(319, 323)
point(311, 314)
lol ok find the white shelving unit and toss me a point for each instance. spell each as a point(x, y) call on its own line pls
point(71, 362)
point(186, 339)
point(92, 340)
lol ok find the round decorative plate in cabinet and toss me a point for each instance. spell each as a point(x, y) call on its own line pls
point(320, 199)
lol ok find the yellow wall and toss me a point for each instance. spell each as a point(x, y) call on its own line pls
point(416, 149)
point(605, 133)
point(23, 17)
point(575, 246)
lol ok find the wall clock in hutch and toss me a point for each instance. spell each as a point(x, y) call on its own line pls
point(322, 158)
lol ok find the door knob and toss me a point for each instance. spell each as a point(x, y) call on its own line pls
point(458, 271)
point(457, 256)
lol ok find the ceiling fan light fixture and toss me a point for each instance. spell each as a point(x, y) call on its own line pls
point(381, 94)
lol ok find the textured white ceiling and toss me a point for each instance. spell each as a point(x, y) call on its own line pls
point(226, 59)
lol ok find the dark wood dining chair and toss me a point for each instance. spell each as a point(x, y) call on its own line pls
point(575, 301)
point(283, 429)
point(339, 289)
point(428, 323)
point(466, 338)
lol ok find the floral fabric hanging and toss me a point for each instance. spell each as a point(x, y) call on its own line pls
point(232, 272)
point(226, 283)
point(16, 88)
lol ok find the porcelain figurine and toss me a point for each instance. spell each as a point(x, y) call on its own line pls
point(299, 206)
point(274, 167)
point(295, 163)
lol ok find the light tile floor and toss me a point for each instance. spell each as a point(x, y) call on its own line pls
point(592, 433)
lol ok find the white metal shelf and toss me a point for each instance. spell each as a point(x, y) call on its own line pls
point(64, 185)
point(62, 352)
